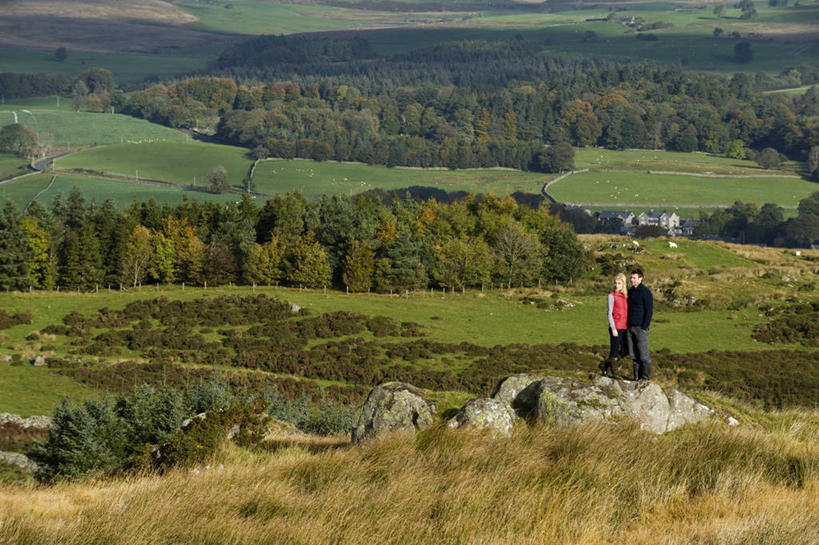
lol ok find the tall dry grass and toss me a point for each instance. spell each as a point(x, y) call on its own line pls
point(707, 484)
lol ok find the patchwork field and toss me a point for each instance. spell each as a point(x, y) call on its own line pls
point(313, 178)
point(59, 126)
point(641, 189)
point(133, 39)
point(174, 162)
point(11, 165)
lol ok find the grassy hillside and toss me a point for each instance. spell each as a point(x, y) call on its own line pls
point(708, 298)
point(634, 179)
point(137, 46)
point(128, 66)
point(11, 165)
point(702, 484)
point(641, 189)
point(58, 125)
point(329, 178)
point(178, 163)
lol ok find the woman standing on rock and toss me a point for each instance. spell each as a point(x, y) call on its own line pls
point(617, 313)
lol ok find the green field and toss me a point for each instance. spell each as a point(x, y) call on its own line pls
point(246, 17)
point(22, 191)
point(11, 165)
point(659, 160)
point(627, 188)
point(61, 127)
point(128, 67)
point(330, 178)
point(174, 162)
point(125, 193)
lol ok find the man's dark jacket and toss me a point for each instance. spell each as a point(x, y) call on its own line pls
point(640, 306)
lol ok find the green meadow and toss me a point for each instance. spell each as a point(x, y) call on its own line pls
point(128, 67)
point(62, 127)
point(667, 161)
point(22, 191)
point(183, 163)
point(640, 188)
point(124, 193)
point(11, 165)
point(689, 41)
point(244, 17)
point(312, 178)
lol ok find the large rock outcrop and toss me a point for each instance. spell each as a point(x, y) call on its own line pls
point(392, 407)
point(566, 401)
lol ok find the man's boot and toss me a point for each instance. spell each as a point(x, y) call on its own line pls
point(614, 368)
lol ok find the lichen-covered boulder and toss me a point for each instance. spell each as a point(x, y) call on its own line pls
point(513, 390)
point(685, 410)
point(646, 403)
point(557, 400)
point(565, 401)
point(19, 460)
point(391, 407)
point(489, 414)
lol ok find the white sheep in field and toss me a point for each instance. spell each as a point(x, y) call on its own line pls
point(635, 243)
point(798, 253)
point(672, 244)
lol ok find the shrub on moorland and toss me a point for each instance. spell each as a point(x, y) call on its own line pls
point(327, 417)
point(201, 437)
point(10, 320)
point(111, 435)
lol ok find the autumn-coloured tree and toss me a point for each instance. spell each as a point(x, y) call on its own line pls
point(359, 266)
point(306, 263)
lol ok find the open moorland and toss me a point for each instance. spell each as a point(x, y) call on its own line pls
point(715, 299)
point(725, 330)
point(153, 38)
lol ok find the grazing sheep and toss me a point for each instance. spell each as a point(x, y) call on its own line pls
point(672, 244)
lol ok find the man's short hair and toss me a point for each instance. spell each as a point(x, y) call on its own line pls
point(638, 271)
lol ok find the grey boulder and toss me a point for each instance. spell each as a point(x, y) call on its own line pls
point(393, 406)
point(493, 415)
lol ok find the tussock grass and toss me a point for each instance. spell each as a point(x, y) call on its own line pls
point(592, 484)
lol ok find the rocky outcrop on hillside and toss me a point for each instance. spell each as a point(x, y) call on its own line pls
point(19, 460)
point(392, 407)
point(557, 400)
point(32, 422)
point(536, 399)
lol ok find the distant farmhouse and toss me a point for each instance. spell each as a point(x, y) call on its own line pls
point(626, 221)
point(617, 219)
point(666, 220)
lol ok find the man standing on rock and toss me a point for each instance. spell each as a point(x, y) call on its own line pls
point(640, 308)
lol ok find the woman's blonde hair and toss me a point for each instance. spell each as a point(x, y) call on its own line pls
point(621, 276)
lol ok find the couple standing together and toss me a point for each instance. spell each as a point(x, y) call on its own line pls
point(629, 313)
